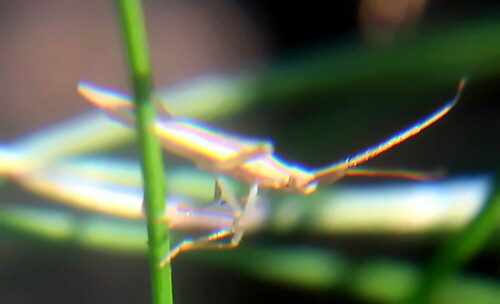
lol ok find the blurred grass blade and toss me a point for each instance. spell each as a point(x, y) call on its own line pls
point(81, 228)
point(375, 280)
point(460, 249)
point(306, 268)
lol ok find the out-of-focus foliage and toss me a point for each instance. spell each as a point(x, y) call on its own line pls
point(317, 106)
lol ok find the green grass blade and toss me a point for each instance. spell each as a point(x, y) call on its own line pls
point(134, 36)
point(459, 250)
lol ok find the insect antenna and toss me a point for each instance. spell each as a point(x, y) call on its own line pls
point(324, 175)
point(400, 174)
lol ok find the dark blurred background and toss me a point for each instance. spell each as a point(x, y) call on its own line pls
point(47, 46)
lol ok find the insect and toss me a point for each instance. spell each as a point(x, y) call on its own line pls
point(71, 182)
point(252, 161)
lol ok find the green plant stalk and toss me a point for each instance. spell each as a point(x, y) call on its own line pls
point(134, 37)
point(459, 249)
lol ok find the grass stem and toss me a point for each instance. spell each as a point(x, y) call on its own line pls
point(137, 55)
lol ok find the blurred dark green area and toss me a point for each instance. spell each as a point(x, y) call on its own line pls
point(325, 93)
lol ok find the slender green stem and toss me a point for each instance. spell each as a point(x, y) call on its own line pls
point(134, 36)
point(460, 249)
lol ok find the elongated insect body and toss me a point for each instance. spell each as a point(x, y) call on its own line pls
point(206, 148)
point(271, 172)
point(209, 149)
point(251, 161)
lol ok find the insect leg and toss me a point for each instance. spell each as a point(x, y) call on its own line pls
point(224, 191)
point(211, 241)
point(331, 176)
point(160, 108)
point(239, 224)
point(204, 242)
